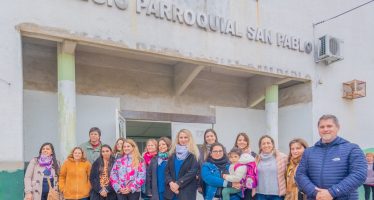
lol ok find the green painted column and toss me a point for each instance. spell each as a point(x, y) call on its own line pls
point(271, 112)
point(66, 97)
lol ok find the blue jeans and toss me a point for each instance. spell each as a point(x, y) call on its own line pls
point(268, 197)
point(161, 195)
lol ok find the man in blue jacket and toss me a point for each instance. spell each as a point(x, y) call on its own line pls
point(333, 168)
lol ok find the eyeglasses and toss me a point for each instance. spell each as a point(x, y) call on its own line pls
point(216, 152)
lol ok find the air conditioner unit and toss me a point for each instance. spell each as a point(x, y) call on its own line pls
point(329, 49)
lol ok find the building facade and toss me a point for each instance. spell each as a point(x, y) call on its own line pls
point(147, 68)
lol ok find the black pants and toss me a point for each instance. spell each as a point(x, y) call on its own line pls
point(367, 192)
point(130, 196)
point(44, 196)
point(248, 194)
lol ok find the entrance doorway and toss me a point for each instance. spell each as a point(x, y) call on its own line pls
point(141, 131)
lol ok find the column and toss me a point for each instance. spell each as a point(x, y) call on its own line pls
point(66, 97)
point(271, 110)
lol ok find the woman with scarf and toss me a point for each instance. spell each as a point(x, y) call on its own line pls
point(243, 143)
point(155, 181)
point(181, 169)
point(212, 170)
point(271, 169)
point(99, 177)
point(39, 170)
point(149, 153)
point(128, 173)
point(297, 147)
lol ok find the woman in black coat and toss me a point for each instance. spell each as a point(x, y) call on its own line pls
point(101, 188)
point(181, 170)
point(155, 181)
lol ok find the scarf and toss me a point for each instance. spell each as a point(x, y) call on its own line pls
point(181, 152)
point(148, 157)
point(46, 162)
point(292, 191)
point(94, 146)
point(266, 156)
point(162, 156)
point(220, 163)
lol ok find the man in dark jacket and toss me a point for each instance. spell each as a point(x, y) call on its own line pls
point(333, 168)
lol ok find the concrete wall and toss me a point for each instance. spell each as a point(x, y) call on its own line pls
point(231, 121)
point(41, 120)
point(141, 86)
point(295, 122)
point(356, 29)
point(11, 146)
point(148, 34)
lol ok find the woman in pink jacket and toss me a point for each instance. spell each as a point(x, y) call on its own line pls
point(128, 173)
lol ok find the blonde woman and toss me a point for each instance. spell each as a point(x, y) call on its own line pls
point(74, 180)
point(181, 170)
point(128, 172)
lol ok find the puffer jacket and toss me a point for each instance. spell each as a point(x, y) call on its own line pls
point(212, 178)
point(124, 175)
point(339, 166)
point(238, 173)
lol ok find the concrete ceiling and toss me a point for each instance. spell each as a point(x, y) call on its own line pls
point(136, 57)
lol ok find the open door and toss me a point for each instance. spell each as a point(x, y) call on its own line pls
point(120, 125)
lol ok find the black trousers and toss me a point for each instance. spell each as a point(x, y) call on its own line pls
point(367, 192)
point(44, 196)
point(248, 194)
point(130, 196)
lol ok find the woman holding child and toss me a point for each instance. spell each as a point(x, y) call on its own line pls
point(211, 172)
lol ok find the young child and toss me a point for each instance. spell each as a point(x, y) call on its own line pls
point(240, 164)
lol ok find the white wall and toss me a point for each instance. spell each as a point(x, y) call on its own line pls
point(231, 121)
point(41, 119)
point(10, 95)
point(295, 122)
point(130, 29)
point(356, 30)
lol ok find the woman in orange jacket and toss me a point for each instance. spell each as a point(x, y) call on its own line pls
point(74, 179)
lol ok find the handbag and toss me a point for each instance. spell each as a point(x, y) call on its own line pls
point(53, 194)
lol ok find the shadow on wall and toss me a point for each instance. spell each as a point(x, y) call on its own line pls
point(361, 189)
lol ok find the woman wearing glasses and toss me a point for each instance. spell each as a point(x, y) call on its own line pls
point(216, 164)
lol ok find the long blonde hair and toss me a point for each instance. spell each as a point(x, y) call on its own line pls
point(191, 146)
point(135, 154)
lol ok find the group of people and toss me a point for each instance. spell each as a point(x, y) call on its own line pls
point(331, 169)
